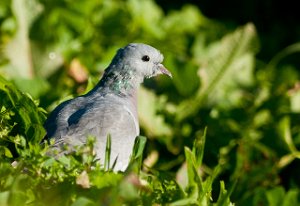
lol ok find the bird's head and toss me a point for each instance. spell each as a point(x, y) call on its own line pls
point(142, 60)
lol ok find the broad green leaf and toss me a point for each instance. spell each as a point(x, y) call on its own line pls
point(226, 66)
point(35, 87)
point(102, 180)
point(291, 198)
point(189, 16)
point(83, 201)
point(4, 196)
point(295, 101)
point(147, 15)
point(152, 122)
point(128, 190)
point(275, 196)
point(5, 151)
point(184, 75)
point(18, 194)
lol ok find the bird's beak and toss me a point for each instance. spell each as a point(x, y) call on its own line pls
point(164, 70)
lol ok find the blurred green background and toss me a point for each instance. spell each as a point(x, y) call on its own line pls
point(235, 67)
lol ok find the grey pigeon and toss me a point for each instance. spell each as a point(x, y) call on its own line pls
point(110, 108)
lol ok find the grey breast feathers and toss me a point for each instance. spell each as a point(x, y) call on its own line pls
point(77, 119)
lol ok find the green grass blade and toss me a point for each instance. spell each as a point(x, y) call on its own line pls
point(107, 153)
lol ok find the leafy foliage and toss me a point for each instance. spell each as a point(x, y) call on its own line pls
point(20, 116)
point(250, 107)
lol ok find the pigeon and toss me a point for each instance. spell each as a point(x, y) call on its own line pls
point(110, 108)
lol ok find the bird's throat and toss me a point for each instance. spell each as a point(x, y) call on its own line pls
point(123, 84)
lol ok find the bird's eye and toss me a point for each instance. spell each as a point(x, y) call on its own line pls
point(146, 58)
